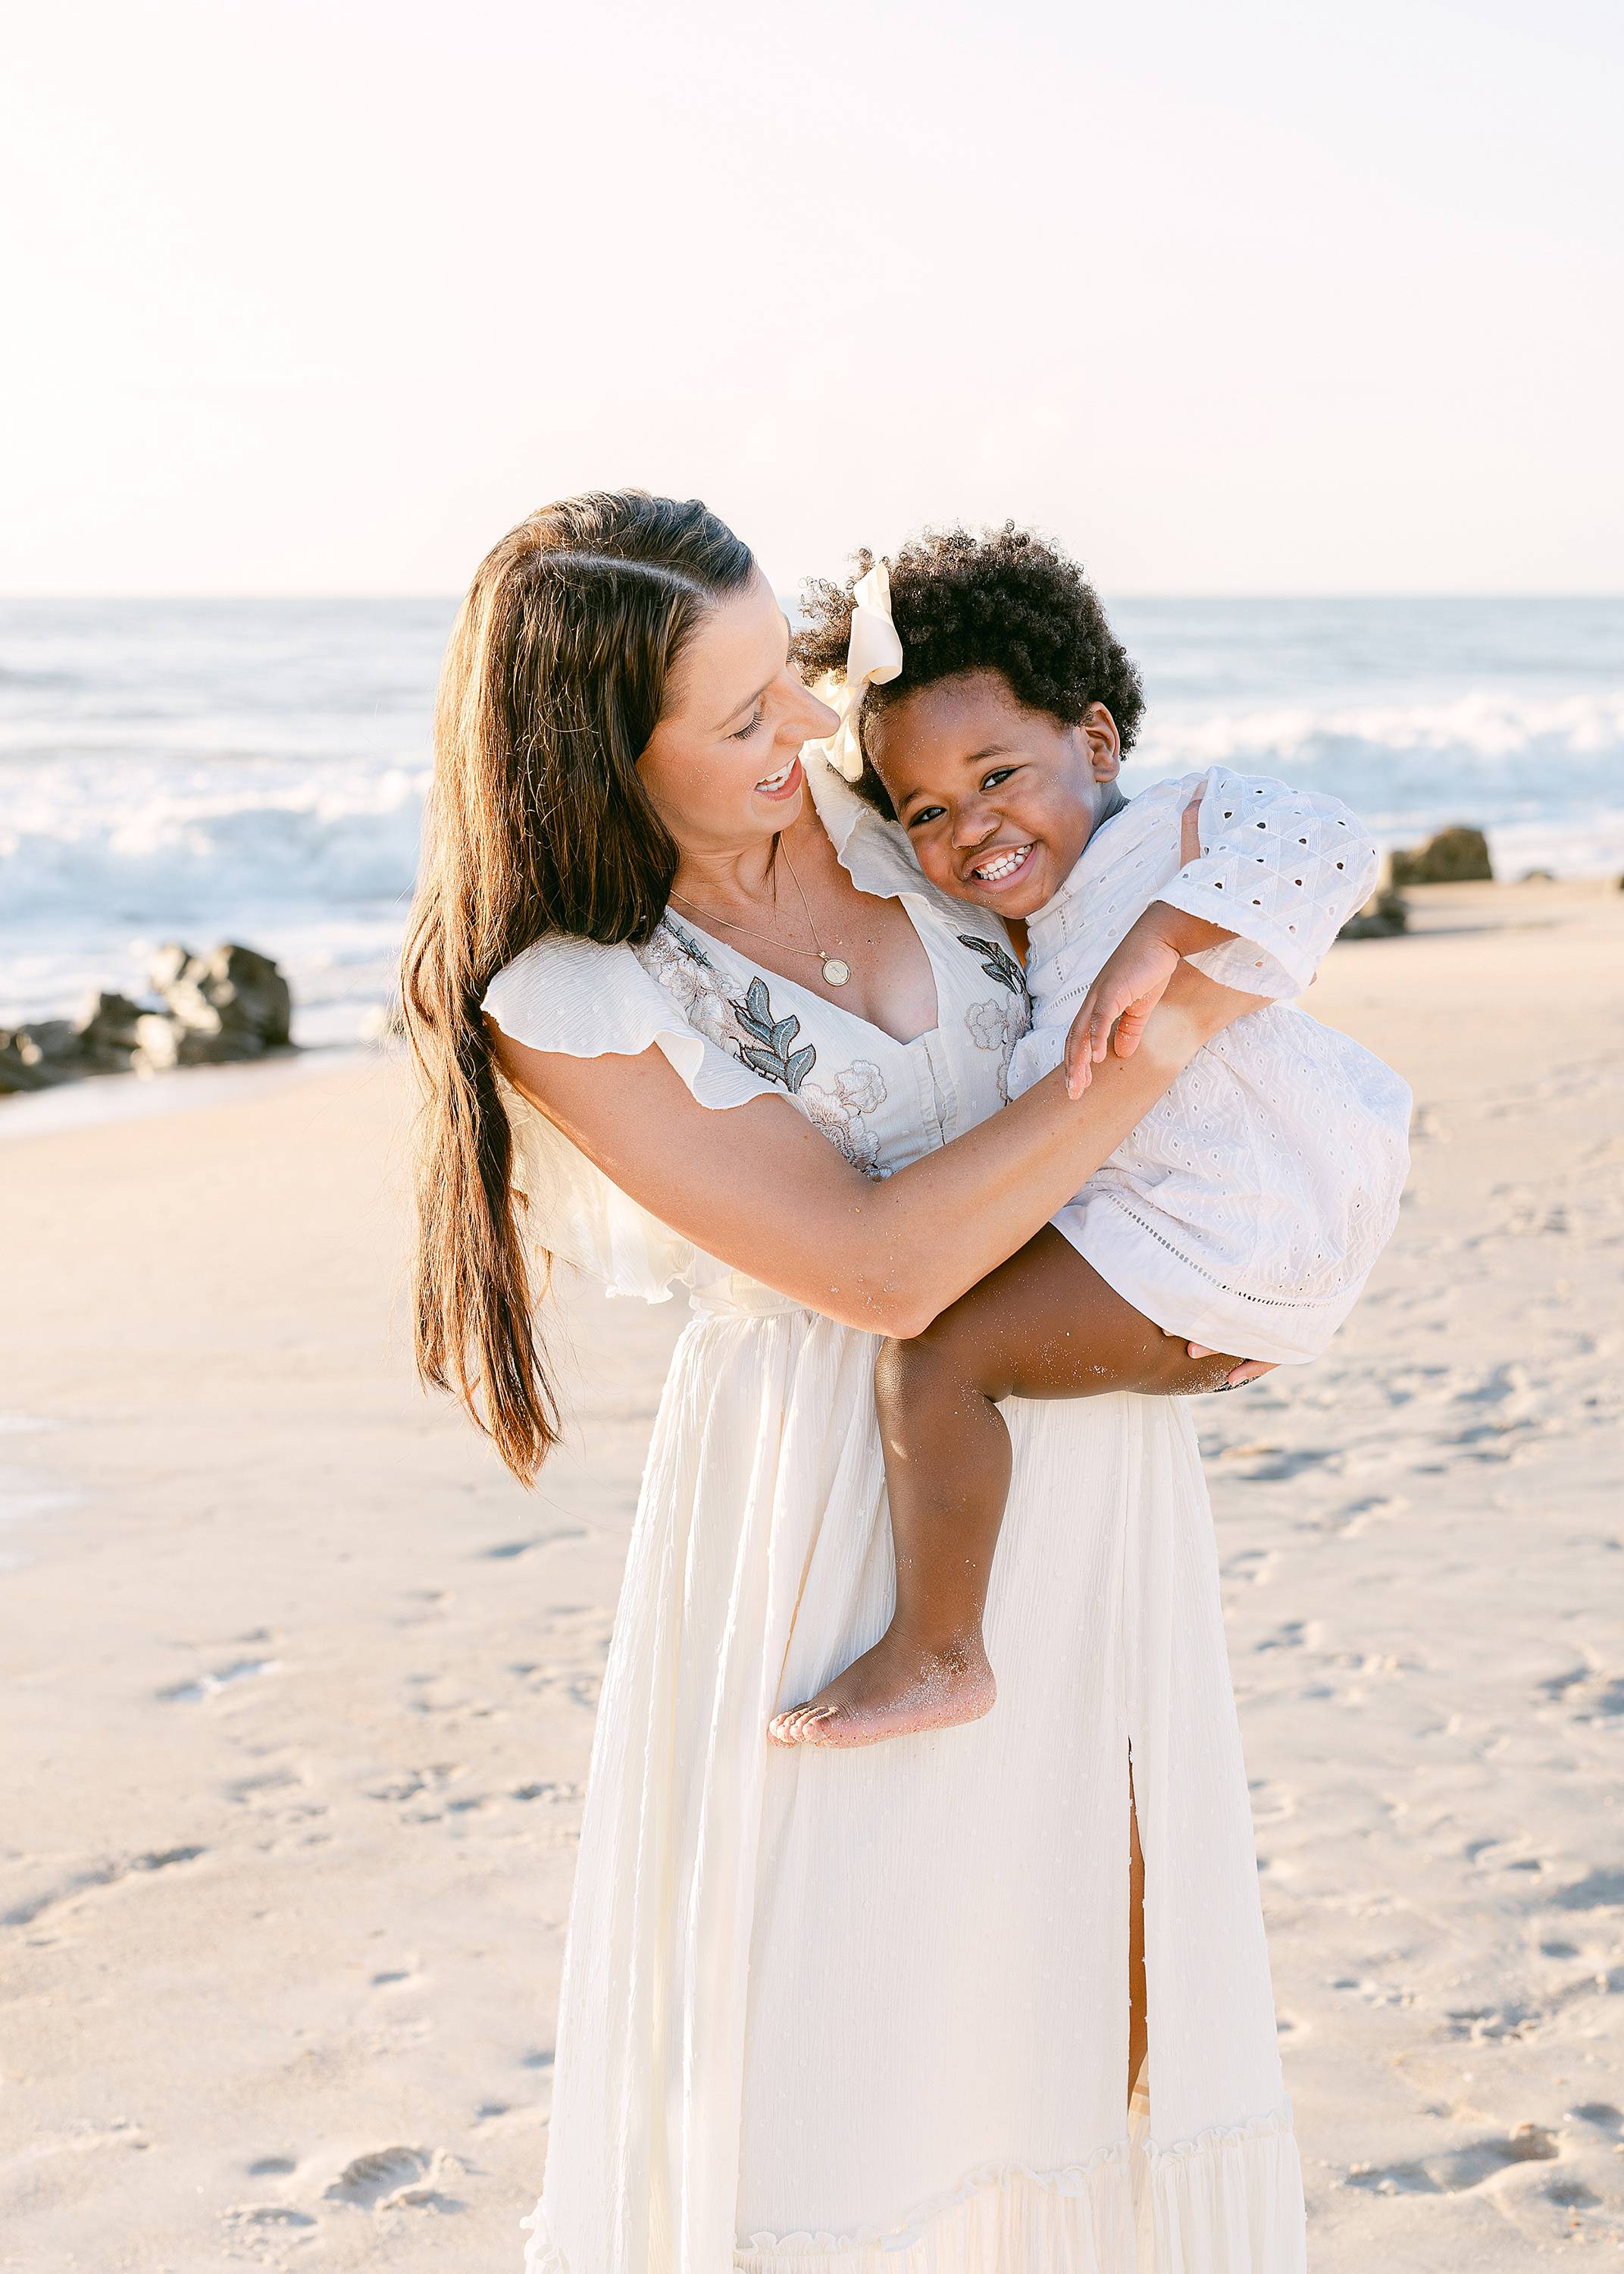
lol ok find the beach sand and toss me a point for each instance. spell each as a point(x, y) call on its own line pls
point(299, 1685)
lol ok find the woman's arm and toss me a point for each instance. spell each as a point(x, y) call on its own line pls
point(761, 1188)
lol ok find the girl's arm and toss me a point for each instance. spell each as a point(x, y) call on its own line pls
point(759, 1187)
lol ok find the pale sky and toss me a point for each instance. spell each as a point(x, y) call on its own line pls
point(1242, 298)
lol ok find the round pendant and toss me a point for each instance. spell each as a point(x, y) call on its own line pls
point(836, 972)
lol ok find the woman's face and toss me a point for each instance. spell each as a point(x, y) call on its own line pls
point(723, 767)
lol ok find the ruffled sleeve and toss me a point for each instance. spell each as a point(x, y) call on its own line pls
point(1283, 869)
point(587, 1001)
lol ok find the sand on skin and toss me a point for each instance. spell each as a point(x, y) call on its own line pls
point(299, 1685)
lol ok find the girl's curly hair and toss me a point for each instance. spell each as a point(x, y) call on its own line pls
point(1004, 601)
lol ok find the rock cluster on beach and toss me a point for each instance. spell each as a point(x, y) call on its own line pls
point(1384, 914)
point(216, 1009)
point(1454, 857)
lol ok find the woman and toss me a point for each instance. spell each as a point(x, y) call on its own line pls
point(821, 2010)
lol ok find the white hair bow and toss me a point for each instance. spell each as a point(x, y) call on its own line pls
point(873, 656)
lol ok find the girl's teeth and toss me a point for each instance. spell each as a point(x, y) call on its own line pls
point(778, 781)
point(991, 871)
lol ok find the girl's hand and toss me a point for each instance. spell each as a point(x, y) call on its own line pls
point(1123, 996)
point(1135, 978)
point(1089, 1029)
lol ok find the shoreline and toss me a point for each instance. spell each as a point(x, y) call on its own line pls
point(100, 1101)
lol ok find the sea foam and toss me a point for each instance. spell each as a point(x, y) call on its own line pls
point(257, 770)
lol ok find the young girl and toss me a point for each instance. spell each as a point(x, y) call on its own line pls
point(987, 707)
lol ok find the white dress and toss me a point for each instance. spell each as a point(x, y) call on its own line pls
point(866, 2012)
point(1247, 1208)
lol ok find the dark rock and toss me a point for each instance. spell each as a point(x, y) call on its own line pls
point(167, 966)
point(108, 1020)
point(247, 992)
point(106, 1030)
point(51, 1040)
point(38, 1056)
point(1383, 915)
point(165, 1042)
point(227, 1005)
point(1454, 857)
point(21, 1068)
point(232, 1003)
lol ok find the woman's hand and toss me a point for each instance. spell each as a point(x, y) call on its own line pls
point(1250, 1370)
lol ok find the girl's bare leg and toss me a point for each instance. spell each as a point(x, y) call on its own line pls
point(1043, 1325)
point(1139, 2012)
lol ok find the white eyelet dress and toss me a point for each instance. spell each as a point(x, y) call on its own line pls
point(1247, 1208)
point(866, 2012)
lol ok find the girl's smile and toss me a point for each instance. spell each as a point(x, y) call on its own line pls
point(1004, 867)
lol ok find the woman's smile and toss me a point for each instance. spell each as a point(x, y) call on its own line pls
point(785, 783)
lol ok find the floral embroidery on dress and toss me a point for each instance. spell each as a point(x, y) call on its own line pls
point(839, 1112)
point(1000, 964)
point(998, 1025)
point(860, 1090)
point(749, 1031)
point(769, 1051)
point(685, 971)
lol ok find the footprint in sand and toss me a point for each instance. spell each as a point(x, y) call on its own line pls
point(397, 2178)
point(1457, 2170)
point(1271, 1802)
point(98, 1875)
point(1601, 1891)
point(270, 2219)
point(210, 1685)
point(427, 1786)
point(1293, 1634)
point(1252, 1566)
point(508, 1550)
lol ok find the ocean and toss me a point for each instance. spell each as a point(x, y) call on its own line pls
point(255, 770)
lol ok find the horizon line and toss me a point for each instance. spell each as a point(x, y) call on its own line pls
point(453, 599)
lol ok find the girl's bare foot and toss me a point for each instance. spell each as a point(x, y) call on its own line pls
point(893, 1690)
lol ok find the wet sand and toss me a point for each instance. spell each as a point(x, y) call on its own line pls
point(299, 1685)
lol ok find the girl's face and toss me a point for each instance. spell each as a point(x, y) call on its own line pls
point(998, 801)
point(723, 767)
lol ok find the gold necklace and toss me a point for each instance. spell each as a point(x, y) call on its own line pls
point(835, 972)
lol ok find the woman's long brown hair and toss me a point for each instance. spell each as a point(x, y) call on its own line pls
point(554, 682)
